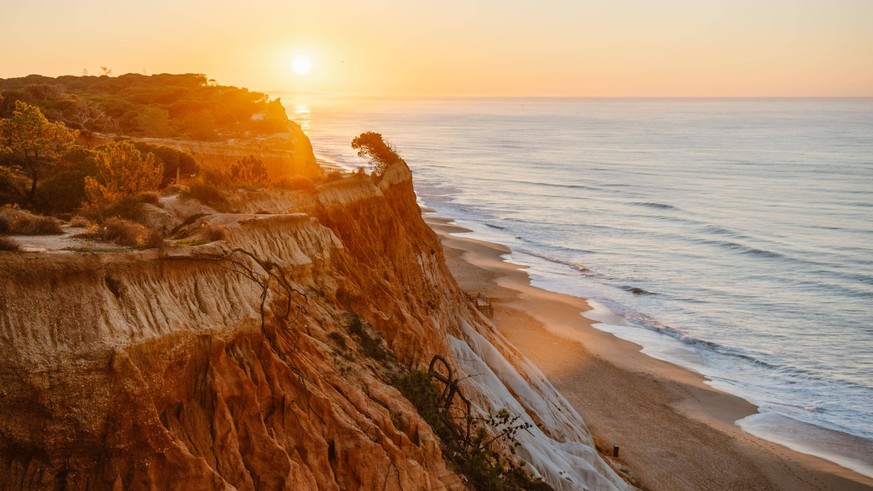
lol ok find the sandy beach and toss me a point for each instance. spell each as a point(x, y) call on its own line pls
point(674, 431)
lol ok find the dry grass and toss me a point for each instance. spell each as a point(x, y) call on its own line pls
point(214, 232)
point(80, 221)
point(127, 233)
point(14, 221)
point(208, 195)
point(296, 184)
point(151, 198)
point(333, 176)
point(7, 244)
point(132, 207)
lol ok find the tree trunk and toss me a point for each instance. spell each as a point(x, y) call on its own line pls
point(32, 187)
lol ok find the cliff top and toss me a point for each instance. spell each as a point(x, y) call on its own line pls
point(165, 105)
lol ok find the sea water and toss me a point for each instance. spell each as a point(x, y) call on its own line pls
point(732, 237)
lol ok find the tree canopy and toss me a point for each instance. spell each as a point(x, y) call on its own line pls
point(33, 142)
point(121, 171)
point(380, 154)
point(186, 105)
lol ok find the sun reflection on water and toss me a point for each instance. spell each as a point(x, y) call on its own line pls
point(301, 115)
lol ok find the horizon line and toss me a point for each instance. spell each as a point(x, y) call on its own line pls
point(635, 97)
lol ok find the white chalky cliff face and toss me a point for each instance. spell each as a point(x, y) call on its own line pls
point(148, 369)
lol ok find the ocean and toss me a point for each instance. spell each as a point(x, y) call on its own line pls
point(733, 237)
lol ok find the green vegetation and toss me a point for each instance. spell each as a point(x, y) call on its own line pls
point(173, 160)
point(471, 443)
point(165, 105)
point(122, 171)
point(92, 146)
point(33, 143)
point(249, 171)
point(370, 343)
point(206, 194)
point(127, 233)
point(380, 154)
point(58, 170)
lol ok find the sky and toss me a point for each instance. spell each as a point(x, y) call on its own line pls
point(618, 48)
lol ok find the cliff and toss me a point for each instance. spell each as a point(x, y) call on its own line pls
point(261, 361)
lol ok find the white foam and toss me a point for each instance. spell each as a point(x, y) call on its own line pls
point(846, 450)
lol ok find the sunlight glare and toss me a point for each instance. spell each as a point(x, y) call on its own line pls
point(301, 66)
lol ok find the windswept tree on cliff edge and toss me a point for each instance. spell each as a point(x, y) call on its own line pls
point(379, 153)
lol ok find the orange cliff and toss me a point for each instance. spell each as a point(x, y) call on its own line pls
point(162, 370)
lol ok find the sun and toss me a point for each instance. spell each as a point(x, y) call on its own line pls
point(301, 66)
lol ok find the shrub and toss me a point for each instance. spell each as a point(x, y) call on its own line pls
point(296, 183)
point(155, 239)
point(151, 198)
point(208, 195)
point(214, 232)
point(338, 339)
point(128, 208)
point(417, 387)
point(370, 344)
point(7, 244)
point(80, 221)
point(216, 177)
point(474, 455)
point(333, 176)
point(64, 191)
point(171, 159)
point(249, 171)
point(121, 171)
point(11, 187)
point(124, 232)
point(19, 222)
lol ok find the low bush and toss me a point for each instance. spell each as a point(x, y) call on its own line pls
point(81, 222)
point(64, 191)
point(124, 232)
point(208, 195)
point(14, 221)
point(12, 186)
point(216, 177)
point(7, 244)
point(61, 193)
point(172, 160)
point(154, 240)
point(151, 198)
point(214, 232)
point(333, 176)
point(128, 208)
point(296, 184)
point(370, 344)
point(249, 171)
point(476, 454)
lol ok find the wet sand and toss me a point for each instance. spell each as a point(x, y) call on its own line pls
point(674, 431)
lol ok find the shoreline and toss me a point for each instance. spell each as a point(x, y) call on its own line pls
point(675, 431)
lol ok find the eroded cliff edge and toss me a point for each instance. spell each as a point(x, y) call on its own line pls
point(161, 369)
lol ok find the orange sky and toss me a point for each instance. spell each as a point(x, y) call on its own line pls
point(629, 48)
